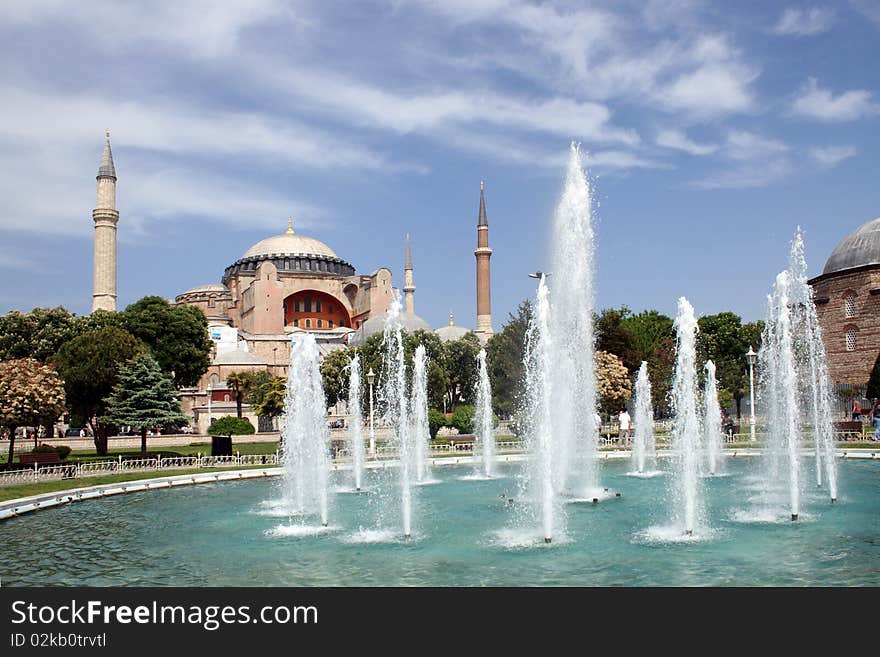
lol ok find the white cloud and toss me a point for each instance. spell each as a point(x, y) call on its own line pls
point(678, 140)
point(755, 161)
point(711, 90)
point(746, 176)
point(804, 22)
point(832, 155)
point(744, 145)
point(814, 102)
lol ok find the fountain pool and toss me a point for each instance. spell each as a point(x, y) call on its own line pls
point(219, 535)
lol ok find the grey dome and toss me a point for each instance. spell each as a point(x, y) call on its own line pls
point(452, 332)
point(409, 322)
point(861, 247)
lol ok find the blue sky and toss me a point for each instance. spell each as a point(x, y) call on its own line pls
point(712, 131)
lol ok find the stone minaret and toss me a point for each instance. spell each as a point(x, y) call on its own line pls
point(409, 288)
point(483, 253)
point(105, 216)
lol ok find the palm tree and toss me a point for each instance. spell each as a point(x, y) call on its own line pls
point(239, 383)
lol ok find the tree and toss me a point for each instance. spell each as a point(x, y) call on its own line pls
point(176, 335)
point(335, 375)
point(90, 365)
point(613, 335)
point(31, 394)
point(267, 397)
point(613, 383)
point(873, 389)
point(238, 383)
point(463, 419)
point(38, 334)
point(504, 361)
point(460, 363)
point(231, 426)
point(724, 339)
point(144, 398)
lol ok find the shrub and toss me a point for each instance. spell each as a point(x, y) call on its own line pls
point(436, 419)
point(63, 451)
point(230, 425)
point(463, 419)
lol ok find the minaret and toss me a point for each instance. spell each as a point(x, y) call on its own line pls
point(105, 216)
point(483, 253)
point(409, 287)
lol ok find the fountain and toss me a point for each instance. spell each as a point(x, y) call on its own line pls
point(712, 419)
point(643, 441)
point(688, 501)
point(572, 358)
point(421, 432)
point(538, 481)
point(305, 434)
point(484, 450)
point(815, 372)
point(355, 421)
point(393, 399)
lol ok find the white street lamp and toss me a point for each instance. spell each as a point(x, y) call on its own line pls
point(753, 358)
point(371, 378)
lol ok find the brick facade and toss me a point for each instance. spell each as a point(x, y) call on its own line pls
point(830, 294)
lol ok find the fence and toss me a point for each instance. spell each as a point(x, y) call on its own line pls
point(40, 473)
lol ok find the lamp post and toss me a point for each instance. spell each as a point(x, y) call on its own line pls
point(371, 378)
point(753, 358)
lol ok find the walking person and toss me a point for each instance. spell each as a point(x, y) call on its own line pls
point(625, 425)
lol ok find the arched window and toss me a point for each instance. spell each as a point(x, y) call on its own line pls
point(226, 398)
point(849, 305)
point(852, 339)
point(320, 323)
point(308, 323)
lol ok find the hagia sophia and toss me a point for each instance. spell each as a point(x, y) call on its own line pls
point(282, 285)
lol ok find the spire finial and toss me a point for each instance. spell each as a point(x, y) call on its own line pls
point(451, 318)
point(482, 184)
point(482, 220)
point(106, 169)
point(107, 132)
point(289, 230)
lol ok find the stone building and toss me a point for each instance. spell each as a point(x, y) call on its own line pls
point(847, 296)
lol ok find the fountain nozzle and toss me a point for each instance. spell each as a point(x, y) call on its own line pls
point(595, 500)
point(794, 517)
point(833, 500)
point(688, 532)
point(616, 494)
point(547, 539)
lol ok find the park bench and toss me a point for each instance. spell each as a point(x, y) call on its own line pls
point(39, 458)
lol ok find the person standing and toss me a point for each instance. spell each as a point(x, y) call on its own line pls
point(625, 424)
point(857, 409)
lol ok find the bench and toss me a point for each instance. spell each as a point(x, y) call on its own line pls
point(39, 458)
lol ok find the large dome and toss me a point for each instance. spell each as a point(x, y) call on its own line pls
point(289, 244)
point(409, 322)
point(859, 248)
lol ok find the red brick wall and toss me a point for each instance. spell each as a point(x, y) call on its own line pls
point(849, 366)
point(332, 310)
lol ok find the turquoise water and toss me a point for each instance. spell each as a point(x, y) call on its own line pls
point(219, 535)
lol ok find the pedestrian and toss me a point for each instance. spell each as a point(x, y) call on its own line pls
point(857, 409)
point(876, 413)
point(625, 424)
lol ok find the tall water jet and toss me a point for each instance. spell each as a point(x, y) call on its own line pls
point(305, 433)
point(421, 432)
point(643, 441)
point(816, 380)
point(539, 483)
point(712, 419)
point(395, 404)
point(484, 419)
point(780, 388)
point(576, 433)
point(355, 421)
point(688, 502)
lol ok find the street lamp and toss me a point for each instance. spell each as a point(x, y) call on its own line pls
point(538, 274)
point(753, 358)
point(371, 378)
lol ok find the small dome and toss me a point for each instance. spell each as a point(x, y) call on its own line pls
point(289, 244)
point(212, 287)
point(859, 248)
point(408, 321)
point(236, 357)
point(450, 333)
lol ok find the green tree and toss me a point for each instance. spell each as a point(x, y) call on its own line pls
point(90, 365)
point(504, 361)
point(463, 419)
point(335, 374)
point(267, 397)
point(176, 335)
point(613, 335)
point(230, 426)
point(38, 334)
point(239, 383)
point(460, 364)
point(144, 398)
point(724, 339)
point(873, 389)
point(436, 419)
point(31, 394)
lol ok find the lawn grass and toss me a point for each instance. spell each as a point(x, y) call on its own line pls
point(26, 490)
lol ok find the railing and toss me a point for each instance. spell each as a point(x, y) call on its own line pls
point(97, 468)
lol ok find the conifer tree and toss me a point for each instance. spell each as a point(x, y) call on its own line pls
point(144, 398)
